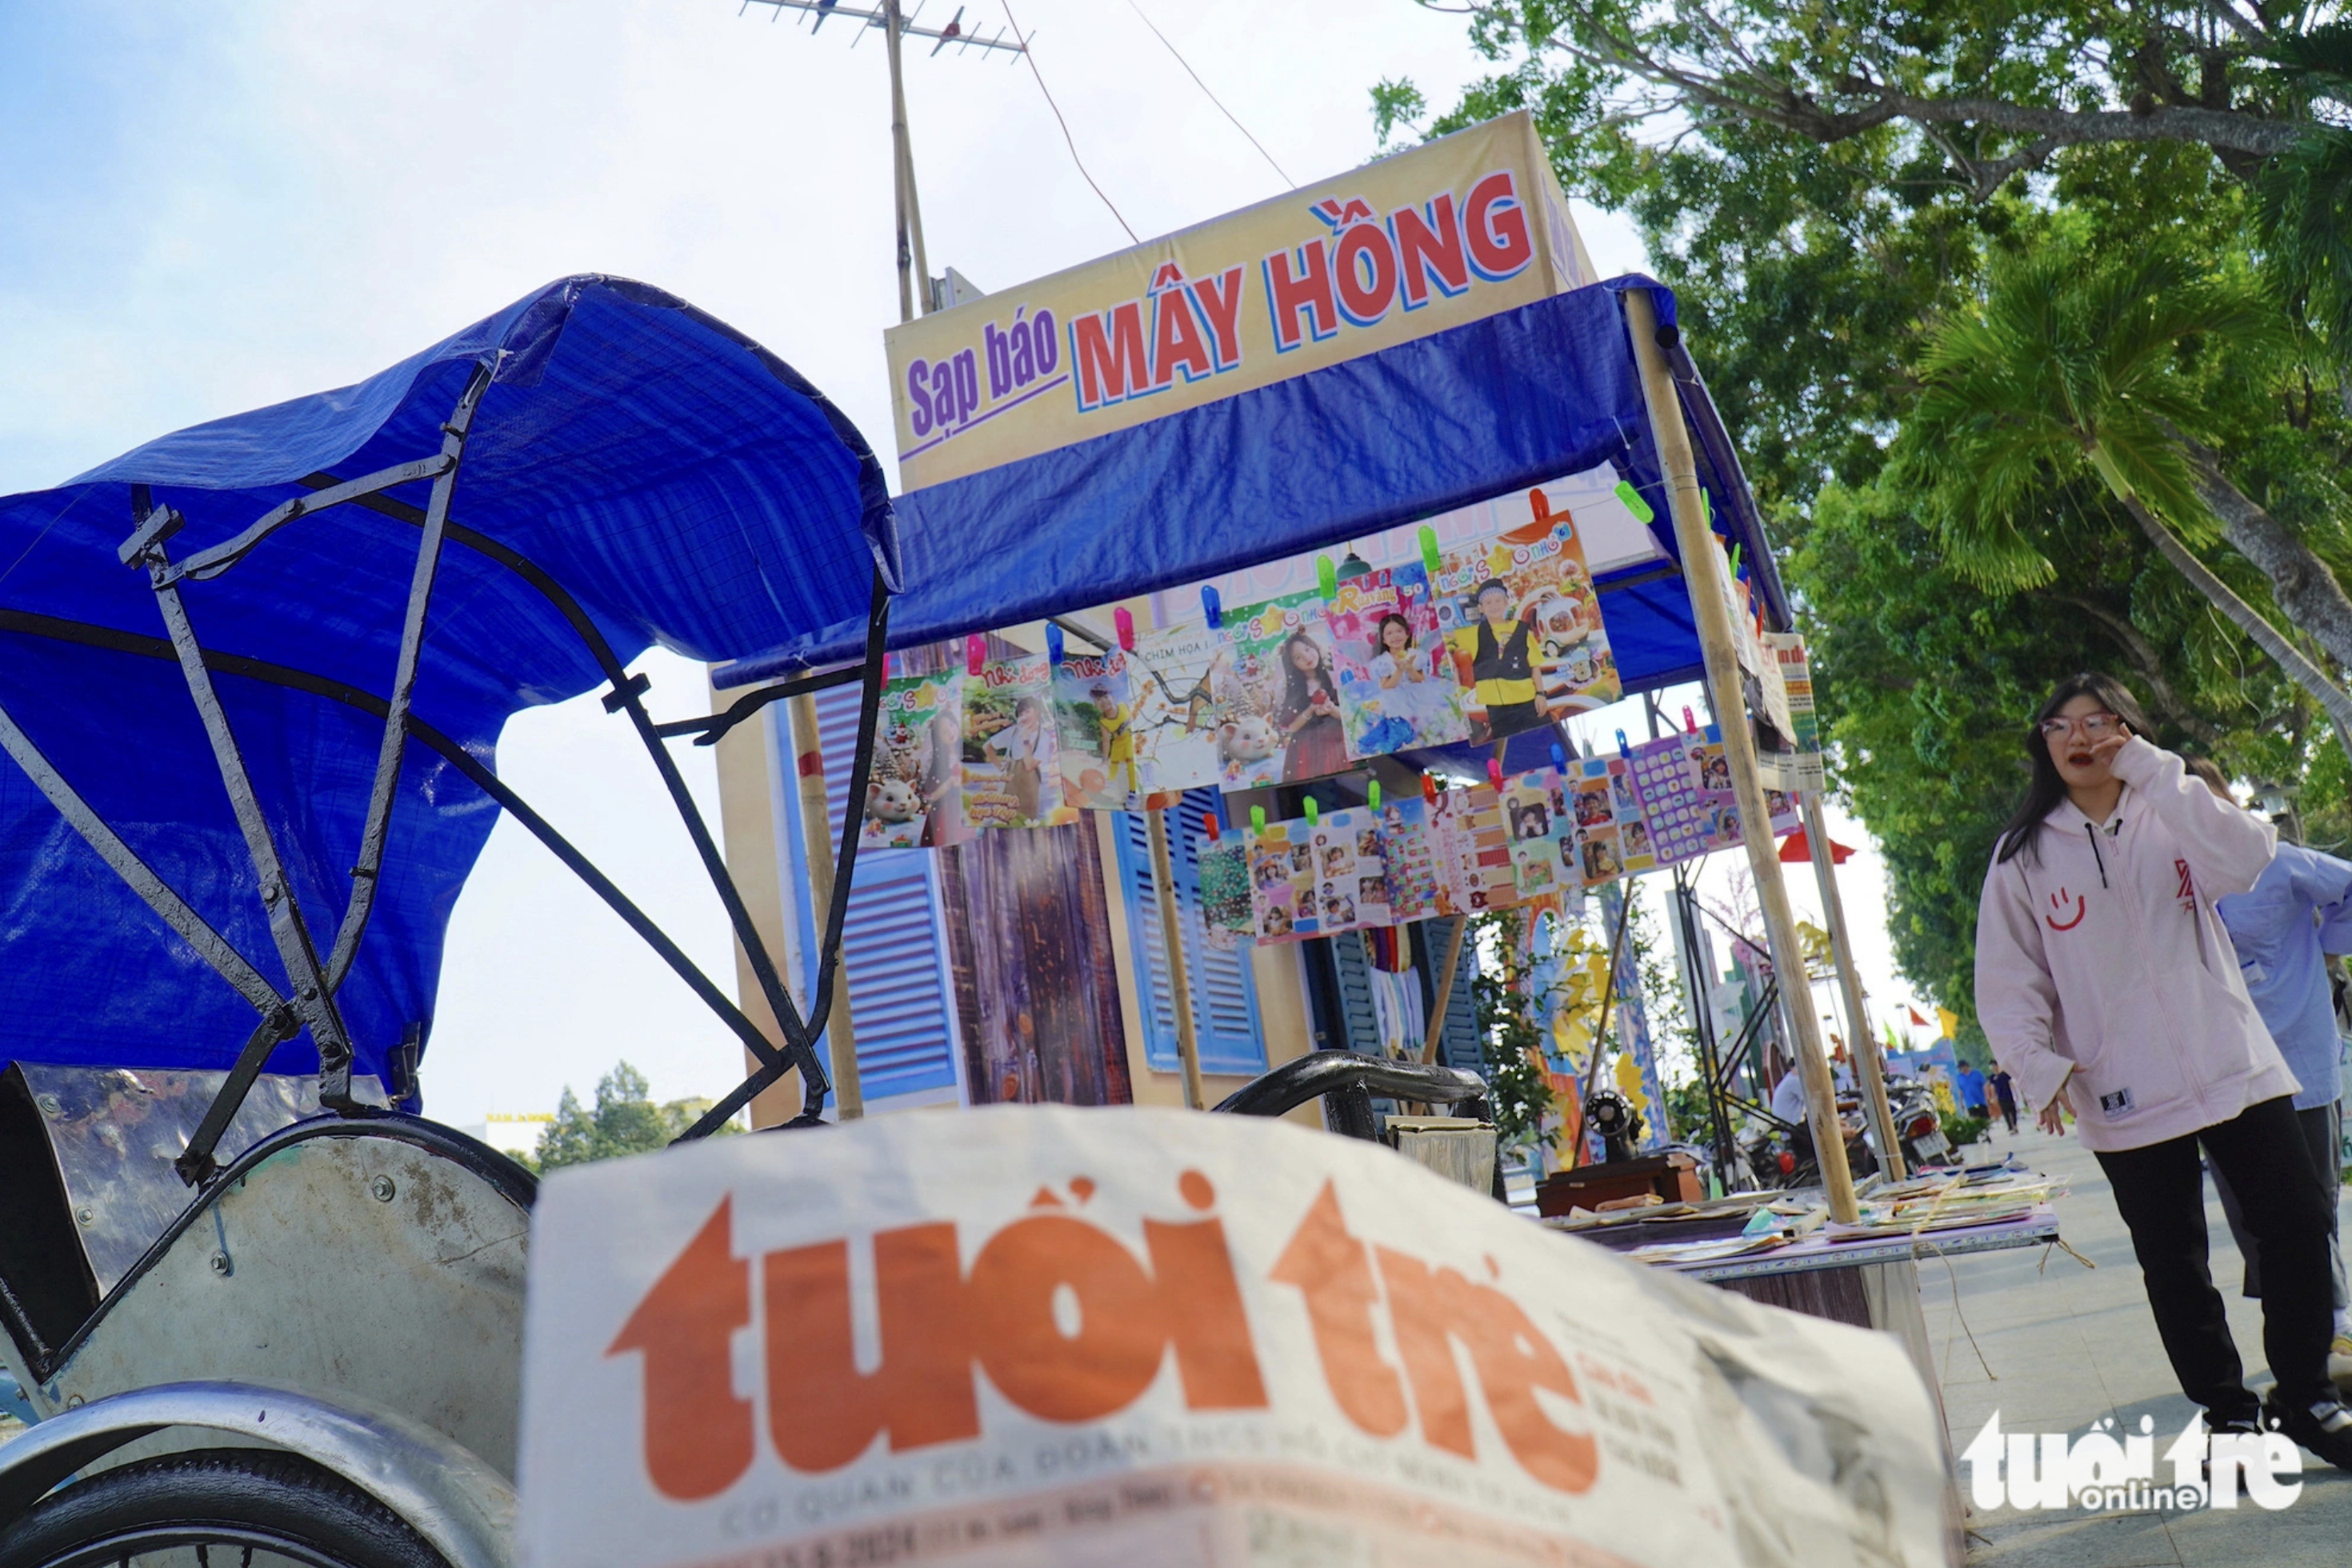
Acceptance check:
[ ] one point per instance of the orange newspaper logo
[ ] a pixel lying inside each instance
(1010, 1315)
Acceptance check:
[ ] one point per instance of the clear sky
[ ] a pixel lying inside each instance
(208, 208)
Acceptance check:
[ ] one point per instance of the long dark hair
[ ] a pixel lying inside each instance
(2047, 789)
(1296, 694)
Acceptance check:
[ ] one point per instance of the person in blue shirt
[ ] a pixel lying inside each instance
(2283, 928)
(1973, 1089)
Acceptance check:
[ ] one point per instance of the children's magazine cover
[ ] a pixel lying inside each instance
(913, 796)
(1471, 844)
(1183, 680)
(1397, 683)
(1352, 879)
(1538, 811)
(1282, 881)
(1284, 724)
(1798, 765)
(1221, 866)
(1411, 857)
(1523, 620)
(1096, 708)
(1012, 774)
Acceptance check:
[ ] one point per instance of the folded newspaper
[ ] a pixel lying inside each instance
(1041, 1335)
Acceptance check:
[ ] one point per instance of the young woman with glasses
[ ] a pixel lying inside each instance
(2104, 980)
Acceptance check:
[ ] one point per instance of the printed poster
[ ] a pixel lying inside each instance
(1798, 765)
(1097, 710)
(914, 797)
(1012, 767)
(1411, 857)
(1471, 847)
(1397, 683)
(1282, 881)
(1351, 879)
(1181, 680)
(1221, 869)
(1538, 813)
(1282, 724)
(1523, 620)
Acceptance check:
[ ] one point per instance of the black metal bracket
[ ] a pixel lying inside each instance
(709, 730)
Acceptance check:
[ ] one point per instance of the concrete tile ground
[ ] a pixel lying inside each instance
(2057, 1346)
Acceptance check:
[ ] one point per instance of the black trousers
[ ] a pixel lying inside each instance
(2160, 1190)
(2323, 1127)
(2009, 1111)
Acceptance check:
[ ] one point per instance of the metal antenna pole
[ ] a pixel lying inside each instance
(902, 162)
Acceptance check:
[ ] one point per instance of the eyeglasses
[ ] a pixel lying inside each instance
(2097, 726)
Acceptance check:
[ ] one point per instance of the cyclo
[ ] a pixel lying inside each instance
(252, 677)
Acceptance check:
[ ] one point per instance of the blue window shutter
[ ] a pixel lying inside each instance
(1225, 995)
(1357, 1017)
(899, 988)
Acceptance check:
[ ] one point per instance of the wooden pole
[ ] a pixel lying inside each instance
(902, 166)
(1867, 1060)
(1172, 938)
(1702, 576)
(1444, 990)
(816, 840)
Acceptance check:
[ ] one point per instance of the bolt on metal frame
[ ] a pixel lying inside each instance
(314, 981)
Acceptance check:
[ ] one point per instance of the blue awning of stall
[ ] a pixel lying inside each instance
(1511, 400)
(670, 481)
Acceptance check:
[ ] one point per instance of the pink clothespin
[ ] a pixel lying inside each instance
(1494, 771)
(975, 653)
(1124, 622)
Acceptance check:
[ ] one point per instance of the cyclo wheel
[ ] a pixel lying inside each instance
(214, 1508)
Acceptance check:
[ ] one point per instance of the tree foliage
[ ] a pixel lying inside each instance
(626, 1121)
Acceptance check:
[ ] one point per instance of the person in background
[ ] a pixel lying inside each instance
(2104, 980)
(2283, 928)
(2004, 1094)
(1972, 1089)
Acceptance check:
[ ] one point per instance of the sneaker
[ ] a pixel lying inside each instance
(2325, 1428)
(2339, 1359)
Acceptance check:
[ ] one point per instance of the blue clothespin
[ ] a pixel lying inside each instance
(1559, 758)
(1212, 607)
(1624, 750)
(1052, 643)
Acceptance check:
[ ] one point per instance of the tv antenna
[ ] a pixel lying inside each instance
(895, 29)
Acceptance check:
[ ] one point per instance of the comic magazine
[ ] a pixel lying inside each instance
(1523, 620)
(1095, 711)
(1471, 847)
(1012, 770)
(1540, 817)
(1612, 839)
(1282, 881)
(1684, 785)
(1182, 678)
(1222, 868)
(1283, 722)
(1798, 765)
(1397, 683)
(1352, 879)
(1411, 857)
(913, 796)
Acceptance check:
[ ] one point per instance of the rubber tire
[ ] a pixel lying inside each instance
(264, 1491)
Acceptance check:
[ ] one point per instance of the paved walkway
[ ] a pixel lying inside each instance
(2066, 1346)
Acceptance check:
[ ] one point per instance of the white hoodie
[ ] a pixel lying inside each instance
(2104, 955)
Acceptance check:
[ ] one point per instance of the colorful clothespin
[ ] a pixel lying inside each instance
(1327, 576)
(1429, 550)
(1212, 607)
(1494, 771)
(1735, 562)
(1429, 788)
(1314, 812)
(1624, 750)
(1634, 502)
(975, 653)
(1690, 724)
(1372, 796)
(1257, 820)
(1541, 505)
(1124, 622)
(1210, 822)
(1052, 643)
(1559, 758)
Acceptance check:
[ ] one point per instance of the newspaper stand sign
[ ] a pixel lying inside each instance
(1044, 1335)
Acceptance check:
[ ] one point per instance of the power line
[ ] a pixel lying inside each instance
(1211, 96)
(1031, 56)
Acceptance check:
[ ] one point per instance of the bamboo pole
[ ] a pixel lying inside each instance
(816, 839)
(1867, 1060)
(1172, 938)
(917, 287)
(1702, 576)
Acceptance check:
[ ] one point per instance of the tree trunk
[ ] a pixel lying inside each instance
(2241, 615)
(2306, 589)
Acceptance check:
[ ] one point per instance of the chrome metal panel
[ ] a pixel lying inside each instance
(115, 1132)
(352, 1265)
(448, 1495)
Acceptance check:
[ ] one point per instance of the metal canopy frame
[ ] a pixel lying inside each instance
(313, 980)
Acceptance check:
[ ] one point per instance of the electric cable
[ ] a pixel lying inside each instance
(1211, 96)
(1030, 55)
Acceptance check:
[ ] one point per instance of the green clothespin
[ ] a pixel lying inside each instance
(1633, 503)
(1735, 562)
(1327, 576)
(1314, 812)
(1257, 820)
(1375, 795)
(1429, 550)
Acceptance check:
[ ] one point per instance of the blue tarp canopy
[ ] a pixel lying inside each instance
(670, 479)
(1511, 400)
